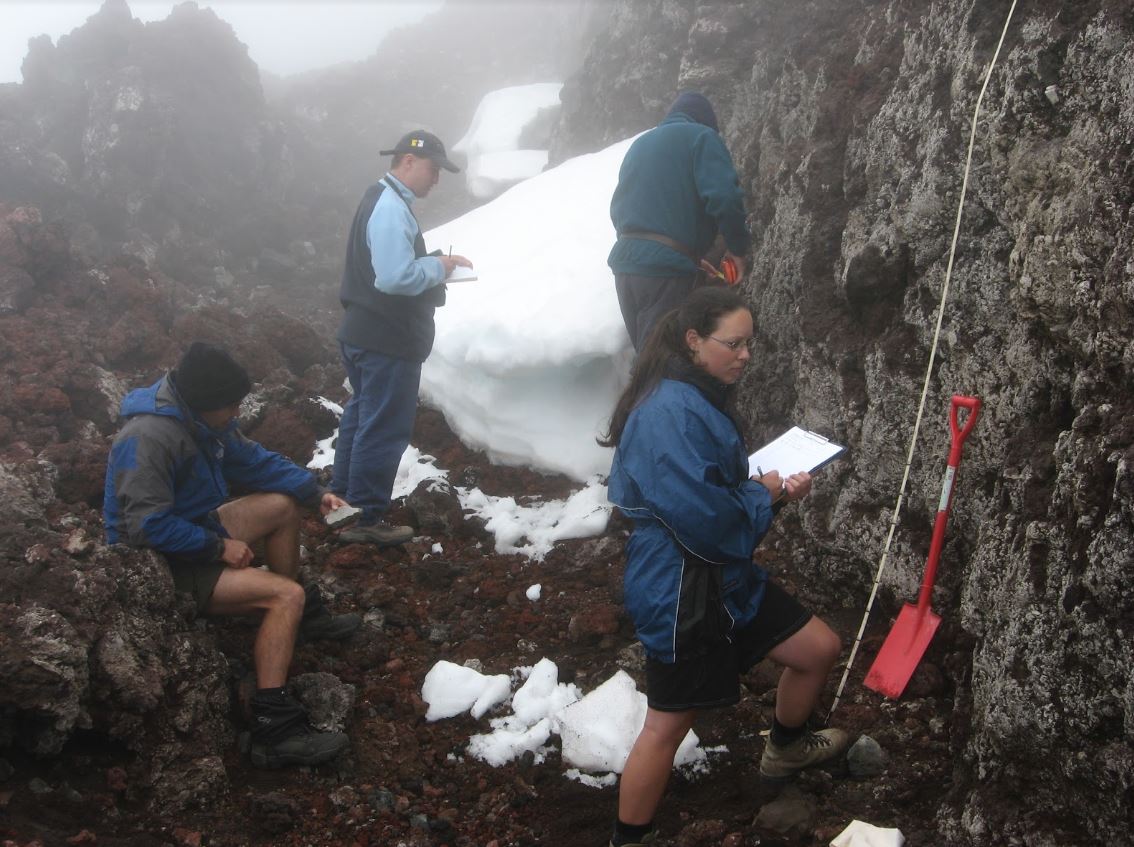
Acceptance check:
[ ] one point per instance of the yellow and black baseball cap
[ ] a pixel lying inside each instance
(422, 143)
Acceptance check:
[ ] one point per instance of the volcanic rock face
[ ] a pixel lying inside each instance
(156, 134)
(849, 125)
(93, 637)
(159, 139)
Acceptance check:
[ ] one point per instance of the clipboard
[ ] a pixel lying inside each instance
(461, 274)
(794, 451)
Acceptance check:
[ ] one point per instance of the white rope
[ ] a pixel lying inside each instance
(928, 370)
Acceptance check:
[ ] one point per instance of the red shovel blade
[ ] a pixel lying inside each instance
(901, 651)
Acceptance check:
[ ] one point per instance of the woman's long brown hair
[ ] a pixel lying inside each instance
(701, 312)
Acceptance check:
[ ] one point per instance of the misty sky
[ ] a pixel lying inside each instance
(282, 37)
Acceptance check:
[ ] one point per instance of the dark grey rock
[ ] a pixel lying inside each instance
(436, 508)
(866, 758)
(274, 812)
(791, 812)
(328, 700)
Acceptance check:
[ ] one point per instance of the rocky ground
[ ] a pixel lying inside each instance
(406, 780)
(120, 716)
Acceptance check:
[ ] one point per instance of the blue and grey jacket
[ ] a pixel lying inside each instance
(168, 472)
(680, 473)
(676, 180)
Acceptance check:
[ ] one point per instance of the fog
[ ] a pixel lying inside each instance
(282, 37)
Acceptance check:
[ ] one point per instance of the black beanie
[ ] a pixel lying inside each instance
(207, 378)
(696, 106)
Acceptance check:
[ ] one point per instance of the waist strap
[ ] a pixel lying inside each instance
(665, 240)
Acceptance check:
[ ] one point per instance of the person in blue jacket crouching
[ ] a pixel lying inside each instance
(704, 612)
(167, 488)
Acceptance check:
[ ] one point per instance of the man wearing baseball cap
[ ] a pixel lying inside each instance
(391, 286)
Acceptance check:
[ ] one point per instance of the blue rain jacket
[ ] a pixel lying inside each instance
(677, 180)
(680, 473)
(168, 472)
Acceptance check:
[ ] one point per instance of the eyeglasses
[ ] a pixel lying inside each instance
(736, 343)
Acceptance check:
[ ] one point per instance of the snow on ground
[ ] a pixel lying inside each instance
(596, 731)
(505, 120)
(527, 530)
(530, 358)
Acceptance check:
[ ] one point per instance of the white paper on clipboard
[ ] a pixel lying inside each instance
(794, 451)
(462, 274)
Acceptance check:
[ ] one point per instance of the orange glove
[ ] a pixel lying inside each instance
(730, 271)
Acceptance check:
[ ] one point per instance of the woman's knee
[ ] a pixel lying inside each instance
(816, 647)
(828, 645)
(667, 729)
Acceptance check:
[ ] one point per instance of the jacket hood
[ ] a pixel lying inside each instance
(158, 399)
(697, 107)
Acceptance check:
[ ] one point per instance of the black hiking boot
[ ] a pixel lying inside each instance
(647, 839)
(282, 735)
(318, 624)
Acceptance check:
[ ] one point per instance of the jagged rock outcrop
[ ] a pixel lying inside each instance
(848, 124)
(93, 637)
(157, 138)
(346, 114)
(155, 135)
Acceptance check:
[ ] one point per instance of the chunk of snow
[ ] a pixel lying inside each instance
(450, 689)
(861, 834)
(508, 137)
(598, 731)
(530, 359)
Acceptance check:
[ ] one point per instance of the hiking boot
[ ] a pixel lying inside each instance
(318, 624)
(328, 627)
(650, 837)
(308, 746)
(379, 533)
(812, 748)
(282, 735)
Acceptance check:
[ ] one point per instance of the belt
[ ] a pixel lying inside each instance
(665, 240)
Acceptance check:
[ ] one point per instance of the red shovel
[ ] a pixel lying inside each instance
(914, 628)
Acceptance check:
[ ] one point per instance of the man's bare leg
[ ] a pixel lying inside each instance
(271, 518)
(240, 591)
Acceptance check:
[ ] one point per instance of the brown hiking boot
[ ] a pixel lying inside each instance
(380, 534)
(811, 749)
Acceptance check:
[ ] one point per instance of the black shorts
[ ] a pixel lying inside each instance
(197, 579)
(712, 679)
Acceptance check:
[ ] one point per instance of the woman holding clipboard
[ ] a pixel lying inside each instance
(704, 612)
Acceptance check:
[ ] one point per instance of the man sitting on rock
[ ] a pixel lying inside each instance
(167, 488)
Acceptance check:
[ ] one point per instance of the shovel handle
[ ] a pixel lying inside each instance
(959, 434)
